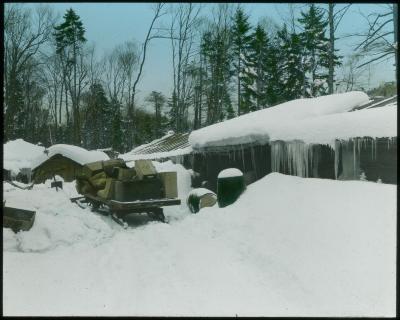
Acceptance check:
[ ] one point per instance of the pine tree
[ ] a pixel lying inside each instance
(117, 133)
(217, 55)
(157, 100)
(258, 63)
(99, 116)
(172, 113)
(275, 88)
(70, 38)
(316, 46)
(292, 69)
(241, 43)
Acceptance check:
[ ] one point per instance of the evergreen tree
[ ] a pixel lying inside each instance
(15, 115)
(316, 46)
(157, 100)
(258, 63)
(172, 113)
(241, 43)
(70, 38)
(117, 132)
(292, 70)
(98, 126)
(275, 87)
(216, 50)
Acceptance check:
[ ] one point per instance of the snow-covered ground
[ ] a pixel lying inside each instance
(289, 246)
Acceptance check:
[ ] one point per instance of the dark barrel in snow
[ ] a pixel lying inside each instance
(199, 198)
(230, 186)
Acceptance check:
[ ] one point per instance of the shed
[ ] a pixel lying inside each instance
(336, 136)
(63, 160)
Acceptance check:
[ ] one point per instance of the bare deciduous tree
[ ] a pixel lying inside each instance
(377, 43)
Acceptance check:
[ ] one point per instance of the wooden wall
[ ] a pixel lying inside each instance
(255, 162)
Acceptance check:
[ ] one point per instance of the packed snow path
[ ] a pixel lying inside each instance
(288, 247)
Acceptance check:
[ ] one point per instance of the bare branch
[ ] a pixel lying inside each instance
(375, 59)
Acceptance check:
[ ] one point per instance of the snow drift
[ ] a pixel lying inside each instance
(289, 246)
(20, 154)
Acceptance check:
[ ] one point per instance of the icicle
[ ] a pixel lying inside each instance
(337, 150)
(244, 168)
(291, 157)
(253, 159)
(354, 156)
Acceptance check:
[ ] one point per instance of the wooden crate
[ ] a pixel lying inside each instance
(18, 219)
(169, 180)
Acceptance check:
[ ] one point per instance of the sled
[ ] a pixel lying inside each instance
(118, 209)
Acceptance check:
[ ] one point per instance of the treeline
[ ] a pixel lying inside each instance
(58, 91)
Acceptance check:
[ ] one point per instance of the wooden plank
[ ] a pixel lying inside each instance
(119, 205)
(122, 205)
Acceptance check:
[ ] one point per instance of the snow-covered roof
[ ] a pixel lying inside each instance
(77, 154)
(314, 120)
(170, 145)
(19, 154)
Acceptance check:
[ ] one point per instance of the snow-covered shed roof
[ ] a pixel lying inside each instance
(314, 120)
(77, 154)
(170, 145)
(19, 154)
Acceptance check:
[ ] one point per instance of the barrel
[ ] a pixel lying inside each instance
(199, 198)
(230, 186)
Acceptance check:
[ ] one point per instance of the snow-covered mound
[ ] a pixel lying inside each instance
(289, 246)
(77, 154)
(315, 120)
(230, 172)
(19, 154)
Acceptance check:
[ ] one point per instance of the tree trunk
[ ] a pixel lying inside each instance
(238, 93)
(396, 30)
(331, 48)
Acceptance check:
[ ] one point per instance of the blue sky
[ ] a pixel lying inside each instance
(110, 24)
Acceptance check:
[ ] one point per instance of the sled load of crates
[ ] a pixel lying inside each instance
(123, 190)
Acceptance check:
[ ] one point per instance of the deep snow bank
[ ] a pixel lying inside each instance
(288, 247)
(19, 154)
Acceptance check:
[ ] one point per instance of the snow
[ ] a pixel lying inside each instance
(314, 120)
(19, 154)
(77, 154)
(199, 192)
(288, 246)
(136, 153)
(131, 156)
(231, 172)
